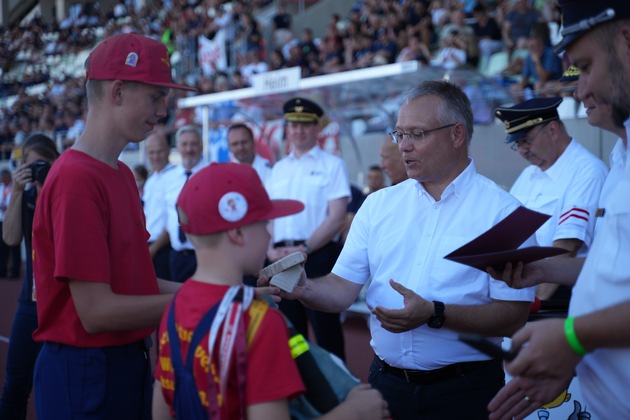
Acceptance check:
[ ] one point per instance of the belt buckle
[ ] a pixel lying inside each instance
(290, 242)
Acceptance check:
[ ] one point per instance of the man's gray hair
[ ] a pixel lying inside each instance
(454, 104)
(186, 129)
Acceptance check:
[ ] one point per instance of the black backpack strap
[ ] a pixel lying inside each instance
(186, 405)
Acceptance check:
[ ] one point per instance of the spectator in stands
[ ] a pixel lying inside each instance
(452, 52)
(254, 65)
(463, 35)
(6, 141)
(468, 6)
(384, 47)
(332, 54)
(251, 35)
(276, 61)
(420, 21)
(307, 46)
(439, 14)
(281, 24)
(487, 33)
(519, 22)
(415, 50)
(76, 124)
(23, 129)
(540, 66)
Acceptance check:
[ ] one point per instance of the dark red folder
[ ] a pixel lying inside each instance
(498, 246)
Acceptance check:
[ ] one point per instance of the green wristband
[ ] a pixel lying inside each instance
(569, 333)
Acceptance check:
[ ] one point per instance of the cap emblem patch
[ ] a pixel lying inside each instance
(233, 206)
(132, 59)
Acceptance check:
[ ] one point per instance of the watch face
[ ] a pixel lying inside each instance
(435, 321)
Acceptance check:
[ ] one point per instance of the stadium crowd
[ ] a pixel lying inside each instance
(41, 85)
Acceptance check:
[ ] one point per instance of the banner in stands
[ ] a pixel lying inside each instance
(211, 54)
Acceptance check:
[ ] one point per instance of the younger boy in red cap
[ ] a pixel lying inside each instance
(224, 210)
(98, 299)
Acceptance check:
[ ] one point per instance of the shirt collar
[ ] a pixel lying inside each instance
(166, 168)
(554, 172)
(458, 186)
(314, 153)
(194, 169)
(618, 153)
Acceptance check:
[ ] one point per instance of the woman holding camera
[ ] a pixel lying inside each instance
(39, 152)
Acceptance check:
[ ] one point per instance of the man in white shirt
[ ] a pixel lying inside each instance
(594, 341)
(182, 260)
(320, 180)
(157, 150)
(243, 150)
(563, 180)
(420, 301)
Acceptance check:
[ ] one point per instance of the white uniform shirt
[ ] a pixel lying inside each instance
(314, 179)
(260, 164)
(402, 233)
(153, 199)
(603, 282)
(173, 183)
(568, 191)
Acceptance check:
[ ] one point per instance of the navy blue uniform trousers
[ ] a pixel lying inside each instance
(73, 383)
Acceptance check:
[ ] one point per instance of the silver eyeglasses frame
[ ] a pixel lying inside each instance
(414, 137)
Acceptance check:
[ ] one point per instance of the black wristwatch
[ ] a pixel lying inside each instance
(437, 319)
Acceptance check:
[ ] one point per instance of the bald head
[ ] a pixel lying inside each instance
(391, 161)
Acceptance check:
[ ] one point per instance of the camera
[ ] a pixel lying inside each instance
(39, 169)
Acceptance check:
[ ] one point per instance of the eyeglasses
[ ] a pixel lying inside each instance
(414, 136)
(528, 141)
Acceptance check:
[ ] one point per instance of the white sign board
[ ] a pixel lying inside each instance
(277, 81)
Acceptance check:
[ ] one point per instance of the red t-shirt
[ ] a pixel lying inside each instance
(271, 371)
(89, 226)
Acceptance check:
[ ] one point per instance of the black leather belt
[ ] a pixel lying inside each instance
(289, 242)
(426, 377)
(187, 252)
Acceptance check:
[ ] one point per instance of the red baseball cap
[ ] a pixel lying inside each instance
(132, 57)
(225, 196)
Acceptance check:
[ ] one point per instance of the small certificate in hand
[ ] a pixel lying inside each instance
(499, 245)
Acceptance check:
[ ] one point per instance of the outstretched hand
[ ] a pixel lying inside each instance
(416, 311)
(519, 276)
(544, 352)
(522, 396)
(278, 294)
(366, 403)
